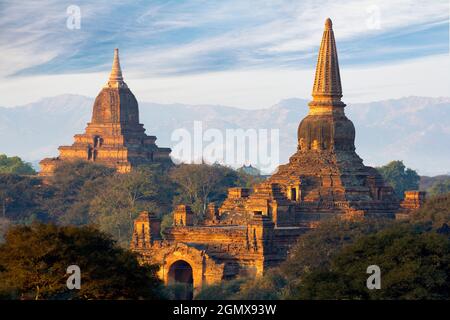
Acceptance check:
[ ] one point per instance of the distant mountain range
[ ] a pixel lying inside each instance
(413, 129)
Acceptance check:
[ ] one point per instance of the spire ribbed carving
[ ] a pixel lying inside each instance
(327, 89)
(326, 127)
(116, 78)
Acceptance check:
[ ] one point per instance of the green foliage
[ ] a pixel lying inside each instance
(414, 264)
(315, 248)
(166, 222)
(82, 193)
(427, 183)
(115, 206)
(221, 291)
(15, 165)
(262, 288)
(70, 176)
(440, 187)
(73, 186)
(318, 266)
(88, 193)
(248, 180)
(436, 211)
(399, 177)
(268, 287)
(34, 260)
(330, 261)
(199, 184)
(22, 198)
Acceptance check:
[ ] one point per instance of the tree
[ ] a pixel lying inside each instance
(122, 196)
(22, 198)
(436, 211)
(313, 250)
(88, 193)
(268, 287)
(200, 184)
(166, 222)
(440, 187)
(15, 165)
(34, 261)
(414, 264)
(70, 177)
(74, 184)
(196, 183)
(224, 290)
(316, 248)
(399, 177)
(248, 180)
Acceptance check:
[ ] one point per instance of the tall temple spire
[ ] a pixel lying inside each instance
(115, 78)
(327, 89)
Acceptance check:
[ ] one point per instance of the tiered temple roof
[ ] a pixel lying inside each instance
(114, 137)
(254, 228)
(325, 176)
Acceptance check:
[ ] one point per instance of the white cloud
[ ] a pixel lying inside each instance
(251, 88)
(29, 38)
(33, 33)
(292, 26)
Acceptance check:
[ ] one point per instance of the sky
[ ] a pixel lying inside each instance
(249, 54)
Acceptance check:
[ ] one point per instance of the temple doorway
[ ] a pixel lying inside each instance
(293, 194)
(180, 279)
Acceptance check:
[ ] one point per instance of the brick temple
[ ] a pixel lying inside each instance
(114, 137)
(253, 229)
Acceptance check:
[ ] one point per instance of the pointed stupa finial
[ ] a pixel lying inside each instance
(116, 78)
(327, 89)
(328, 24)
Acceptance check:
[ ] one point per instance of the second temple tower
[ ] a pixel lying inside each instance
(114, 137)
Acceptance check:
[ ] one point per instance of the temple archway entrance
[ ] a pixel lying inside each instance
(180, 278)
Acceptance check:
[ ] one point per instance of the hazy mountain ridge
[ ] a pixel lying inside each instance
(413, 129)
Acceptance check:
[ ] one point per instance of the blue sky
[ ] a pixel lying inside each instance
(244, 53)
